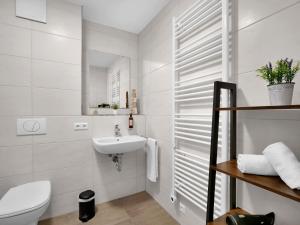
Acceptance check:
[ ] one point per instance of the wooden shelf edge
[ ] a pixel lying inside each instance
(259, 108)
(222, 220)
(269, 183)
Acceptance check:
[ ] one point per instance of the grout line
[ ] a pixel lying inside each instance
(37, 30)
(266, 17)
(39, 59)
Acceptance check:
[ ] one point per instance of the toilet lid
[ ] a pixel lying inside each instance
(25, 198)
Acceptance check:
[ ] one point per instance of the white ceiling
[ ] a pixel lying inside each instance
(129, 15)
(101, 59)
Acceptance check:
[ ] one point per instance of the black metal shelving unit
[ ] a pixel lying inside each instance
(272, 184)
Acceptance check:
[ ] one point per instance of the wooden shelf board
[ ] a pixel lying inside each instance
(259, 108)
(273, 184)
(222, 220)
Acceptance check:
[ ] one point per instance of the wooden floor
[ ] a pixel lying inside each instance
(138, 209)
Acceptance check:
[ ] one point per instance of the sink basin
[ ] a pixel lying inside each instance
(114, 145)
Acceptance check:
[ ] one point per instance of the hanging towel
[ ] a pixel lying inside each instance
(152, 160)
(255, 164)
(285, 163)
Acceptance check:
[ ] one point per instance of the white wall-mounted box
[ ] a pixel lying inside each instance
(31, 126)
(35, 10)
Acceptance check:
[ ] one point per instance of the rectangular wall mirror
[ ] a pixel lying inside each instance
(107, 83)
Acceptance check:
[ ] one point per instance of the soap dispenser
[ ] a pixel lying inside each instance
(130, 121)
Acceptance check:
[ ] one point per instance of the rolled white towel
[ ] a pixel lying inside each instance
(285, 163)
(255, 164)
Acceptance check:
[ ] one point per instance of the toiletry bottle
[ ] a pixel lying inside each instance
(130, 121)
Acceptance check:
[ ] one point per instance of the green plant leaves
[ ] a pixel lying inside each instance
(283, 72)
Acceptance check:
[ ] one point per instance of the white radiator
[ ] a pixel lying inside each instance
(200, 56)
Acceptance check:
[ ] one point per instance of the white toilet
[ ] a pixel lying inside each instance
(25, 204)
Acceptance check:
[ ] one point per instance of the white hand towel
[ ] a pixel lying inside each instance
(152, 160)
(285, 163)
(255, 164)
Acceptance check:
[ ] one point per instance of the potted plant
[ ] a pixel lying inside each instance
(115, 107)
(280, 78)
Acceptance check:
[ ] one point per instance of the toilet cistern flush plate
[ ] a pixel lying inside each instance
(31, 126)
(116, 145)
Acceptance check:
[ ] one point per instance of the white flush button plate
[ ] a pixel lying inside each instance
(81, 126)
(31, 126)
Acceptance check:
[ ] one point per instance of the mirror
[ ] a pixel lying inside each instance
(107, 83)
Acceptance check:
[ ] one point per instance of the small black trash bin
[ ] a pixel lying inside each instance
(86, 205)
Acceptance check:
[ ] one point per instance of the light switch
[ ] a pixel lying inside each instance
(31, 126)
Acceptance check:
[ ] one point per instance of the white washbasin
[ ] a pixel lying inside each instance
(114, 145)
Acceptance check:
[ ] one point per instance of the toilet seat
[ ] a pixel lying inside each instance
(25, 198)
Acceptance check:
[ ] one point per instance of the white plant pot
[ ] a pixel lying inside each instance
(281, 94)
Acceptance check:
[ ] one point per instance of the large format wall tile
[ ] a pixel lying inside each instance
(11, 181)
(14, 41)
(62, 204)
(106, 173)
(63, 19)
(8, 135)
(15, 160)
(66, 180)
(250, 12)
(257, 45)
(56, 48)
(47, 74)
(61, 128)
(8, 14)
(15, 71)
(15, 101)
(56, 102)
(52, 156)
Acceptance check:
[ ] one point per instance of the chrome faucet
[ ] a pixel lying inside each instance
(117, 131)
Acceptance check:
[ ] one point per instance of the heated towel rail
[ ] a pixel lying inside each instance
(201, 49)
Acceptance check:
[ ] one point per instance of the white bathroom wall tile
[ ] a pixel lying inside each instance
(250, 195)
(139, 125)
(11, 181)
(66, 180)
(8, 14)
(106, 173)
(256, 43)
(55, 48)
(160, 56)
(15, 41)
(165, 163)
(141, 163)
(61, 129)
(158, 80)
(56, 102)
(63, 18)
(62, 204)
(52, 156)
(118, 189)
(247, 82)
(164, 125)
(158, 103)
(15, 101)
(48, 74)
(15, 160)
(250, 134)
(141, 183)
(8, 133)
(15, 71)
(104, 126)
(250, 12)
